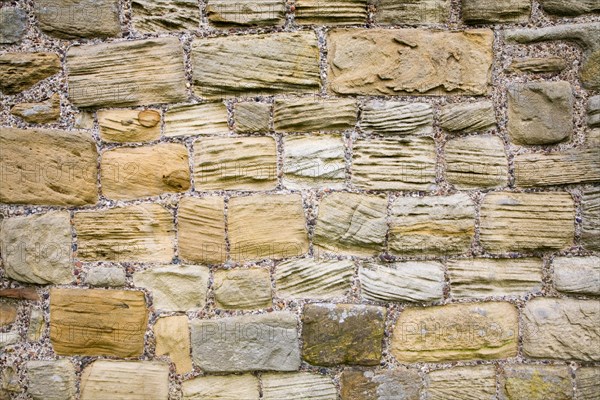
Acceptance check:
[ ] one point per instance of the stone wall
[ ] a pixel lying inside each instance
(258, 199)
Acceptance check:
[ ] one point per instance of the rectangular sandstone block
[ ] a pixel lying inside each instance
(96, 322)
(47, 166)
(400, 382)
(462, 383)
(132, 73)
(227, 66)
(251, 116)
(535, 382)
(495, 11)
(309, 114)
(173, 339)
(297, 385)
(579, 275)
(150, 16)
(478, 331)
(123, 126)
(587, 380)
(409, 62)
(337, 12)
(225, 13)
(229, 387)
(590, 213)
(242, 288)
(397, 118)
(418, 12)
(196, 119)
(468, 117)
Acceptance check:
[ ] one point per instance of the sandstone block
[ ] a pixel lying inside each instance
(538, 65)
(590, 211)
(14, 25)
(8, 314)
(196, 119)
(36, 325)
(165, 15)
(249, 117)
(577, 275)
(339, 12)
(125, 126)
(310, 114)
(397, 117)
(223, 13)
(468, 117)
(245, 289)
(51, 380)
(587, 381)
(535, 382)
(461, 383)
(227, 387)
(476, 12)
(570, 7)
(401, 383)
(593, 111)
(173, 339)
(20, 71)
(43, 112)
(417, 12)
(297, 386)
(106, 277)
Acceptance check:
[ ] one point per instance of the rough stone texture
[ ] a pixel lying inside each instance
(351, 224)
(106, 277)
(564, 329)
(267, 342)
(461, 383)
(476, 331)
(468, 117)
(245, 289)
(235, 163)
(338, 12)
(228, 387)
(196, 119)
(577, 275)
(593, 111)
(36, 325)
(150, 16)
(535, 382)
(527, 222)
(8, 314)
(342, 334)
(125, 380)
(267, 227)
(394, 164)
(125, 126)
(142, 233)
(476, 12)
(26, 293)
(38, 113)
(72, 19)
(128, 173)
(37, 248)
(434, 225)
(51, 380)
(399, 384)
(9, 338)
(420, 12)
(20, 71)
(590, 211)
(570, 7)
(476, 162)
(173, 340)
(483, 277)
(409, 61)
(245, 12)
(537, 65)
(397, 117)
(406, 281)
(132, 73)
(297, 386)
(97, 322)
(249, 116)
(201, 233)
(308, 114)
(226, 66)
(175, 287)
(14, 25)
(313, 162)
(587, 380)
(315, 279)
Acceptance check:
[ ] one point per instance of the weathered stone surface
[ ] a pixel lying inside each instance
(51, 380)
(313, 162)
(245, 12)
(20, 71)
(235, 163)
(585, 35)
(250, 116)
(131, 73)
(565, 329)
(125, 126)
(173, 339)
(125, 380)
(570, 7)
(495, 11)
(593, 111)
(351, 224)
(483, 277)
(468, 117)
(175, 287)
(48, 166)
(577, 274)
(315, 279)
(9, 338)
(407, 61)
(95, 322)
(267, 342)
(397, 117)
(540, 113)
(201, 233)
(42, 112)
(338, 12)
(14, 25)
(165, 15)
(535, 382)
(36, 325)
(436, 225)
(37, 248)
(394, 163)
(462, 383)
(25, 293)
(590, 212)
(228, 387)
(266, 226)
(194, 119)
(297, 386)
(397, 384)
(226, 66)
(419, 12)
(308, 114)
(8, 314)
(142, 233)
(476, 162)
(476, 331)
(72, 19)
(538, 65)
(405, 281)
(527, 222)
(246, 289)
(342, 334)
(587, 380)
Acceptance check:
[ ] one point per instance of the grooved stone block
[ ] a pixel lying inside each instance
(245, 12)
(479, 331)
(336, 12)
(97, 322)
(123, 126)
(315, 279)
(476, 12)
(397, 117)
(227, 387)
(417, 12)
(132, 73)
(400, 383)
(409, 62)
(461, 383)
(48, 166)
(527, 222)
(250, 116)
(51, 380)
(297, 386)
(173, 339)
(196, 119)
(309, 114)
(577, 275)
(587, 381)
(468, 117)
(20, 71)
(535, 382)
(537, 65)
(150, 16)
(245, 289)
(590, 212)
(570, 7)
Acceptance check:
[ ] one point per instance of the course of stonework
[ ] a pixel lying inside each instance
(299, 199)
